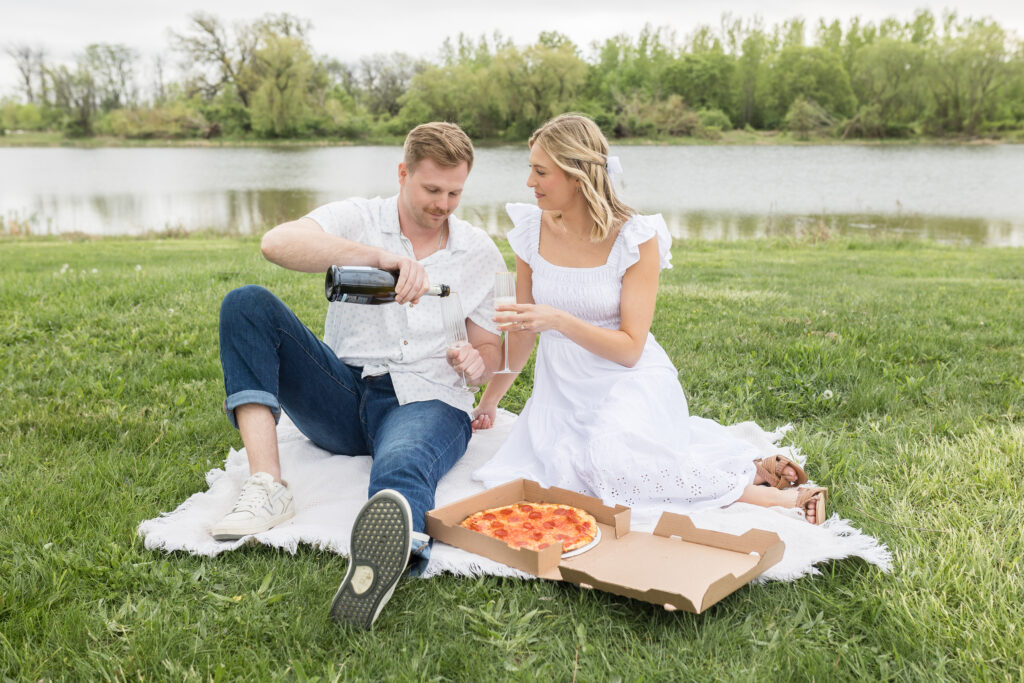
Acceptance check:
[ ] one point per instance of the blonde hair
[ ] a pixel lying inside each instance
(579, 148)
(443, 143)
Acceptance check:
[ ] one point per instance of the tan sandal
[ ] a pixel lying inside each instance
(773, 469)
(819, 495)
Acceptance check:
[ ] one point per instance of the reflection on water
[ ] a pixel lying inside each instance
(722, 226)
(960, 195)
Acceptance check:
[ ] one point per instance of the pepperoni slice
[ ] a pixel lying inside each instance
(526, 508)
(527, 525)
(489, 515)
(537, 535)
(496, 524)
(506, 512)
(549, 525)
(535, 514)
(560, 511)
(500, 533)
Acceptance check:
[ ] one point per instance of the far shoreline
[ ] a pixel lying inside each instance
(733, 138)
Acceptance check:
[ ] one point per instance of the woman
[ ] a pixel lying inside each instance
(607, 416)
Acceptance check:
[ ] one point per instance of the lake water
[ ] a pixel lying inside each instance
(959, 194)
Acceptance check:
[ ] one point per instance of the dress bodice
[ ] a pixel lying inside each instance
(590, 294)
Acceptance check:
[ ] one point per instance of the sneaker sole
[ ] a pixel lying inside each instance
(237, 533)
(379, 553)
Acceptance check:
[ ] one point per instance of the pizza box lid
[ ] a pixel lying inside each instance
(678, 566)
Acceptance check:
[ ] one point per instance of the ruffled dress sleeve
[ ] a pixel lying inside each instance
(524, 237)
(638, 230)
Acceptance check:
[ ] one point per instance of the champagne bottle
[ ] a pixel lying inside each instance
(365, 285)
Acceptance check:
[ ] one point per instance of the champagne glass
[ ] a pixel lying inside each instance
(504, 294)
(454, 326)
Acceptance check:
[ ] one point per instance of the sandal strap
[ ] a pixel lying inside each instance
(769, 476)
(777, 464)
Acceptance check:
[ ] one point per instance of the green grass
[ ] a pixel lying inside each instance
(111, 391)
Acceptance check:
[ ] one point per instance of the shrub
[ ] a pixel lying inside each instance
(714, 118)
(176, 120)
(807, 116)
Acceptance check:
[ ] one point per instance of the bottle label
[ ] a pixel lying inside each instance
(356, 298)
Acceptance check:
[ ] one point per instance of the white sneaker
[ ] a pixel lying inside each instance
(378, 555)
(262, 504)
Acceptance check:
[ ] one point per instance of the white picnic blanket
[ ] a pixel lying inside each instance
(330, 489)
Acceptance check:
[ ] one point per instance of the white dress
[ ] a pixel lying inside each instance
(597, 427)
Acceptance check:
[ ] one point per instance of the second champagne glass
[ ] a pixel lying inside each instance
(504, 294)
(454, 326)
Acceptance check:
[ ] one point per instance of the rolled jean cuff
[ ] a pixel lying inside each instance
(251, 396)
(419, 558)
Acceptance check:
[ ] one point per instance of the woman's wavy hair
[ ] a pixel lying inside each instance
(579, 148)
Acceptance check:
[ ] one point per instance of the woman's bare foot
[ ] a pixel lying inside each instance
(766, 496)
(810, 506)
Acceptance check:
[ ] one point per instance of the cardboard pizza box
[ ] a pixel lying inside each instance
(678, 566)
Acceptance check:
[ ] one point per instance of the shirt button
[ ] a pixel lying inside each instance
(405, 341)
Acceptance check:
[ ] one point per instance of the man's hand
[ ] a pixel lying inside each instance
(466, 359)
(412, 276)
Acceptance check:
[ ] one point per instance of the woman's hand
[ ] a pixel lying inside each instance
(484, 416)
(528, 318)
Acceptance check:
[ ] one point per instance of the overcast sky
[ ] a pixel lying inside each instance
(348, 31)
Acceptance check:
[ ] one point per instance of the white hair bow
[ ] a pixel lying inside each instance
(613, 166)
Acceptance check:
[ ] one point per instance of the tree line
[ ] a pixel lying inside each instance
(261, 79)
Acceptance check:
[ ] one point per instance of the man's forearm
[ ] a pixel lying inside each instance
(301, 245)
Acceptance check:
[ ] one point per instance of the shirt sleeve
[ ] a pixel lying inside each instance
(343, 218)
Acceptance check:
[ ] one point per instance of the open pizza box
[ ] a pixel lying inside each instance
(678, 566)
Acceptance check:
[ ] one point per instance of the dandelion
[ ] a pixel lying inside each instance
(827, 394)
(64, 268)
(138, 267)
(94, 271)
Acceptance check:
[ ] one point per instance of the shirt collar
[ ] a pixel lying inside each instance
(458, 233)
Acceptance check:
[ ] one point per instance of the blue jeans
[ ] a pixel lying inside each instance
(269, 357)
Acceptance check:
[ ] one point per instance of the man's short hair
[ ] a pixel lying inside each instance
(445, 144)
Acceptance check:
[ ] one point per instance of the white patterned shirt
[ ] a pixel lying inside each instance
(408, 341)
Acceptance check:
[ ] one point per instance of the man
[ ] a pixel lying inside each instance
(381, 382)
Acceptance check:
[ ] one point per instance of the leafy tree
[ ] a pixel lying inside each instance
(216, 58)
(537, 83)
(966, 69)
(703, 80)
(29, 62)
(749, 70)
(384, 78)
(75, 96)
(887, 79)
(283, 104)
(808, 72)
(112, 68)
